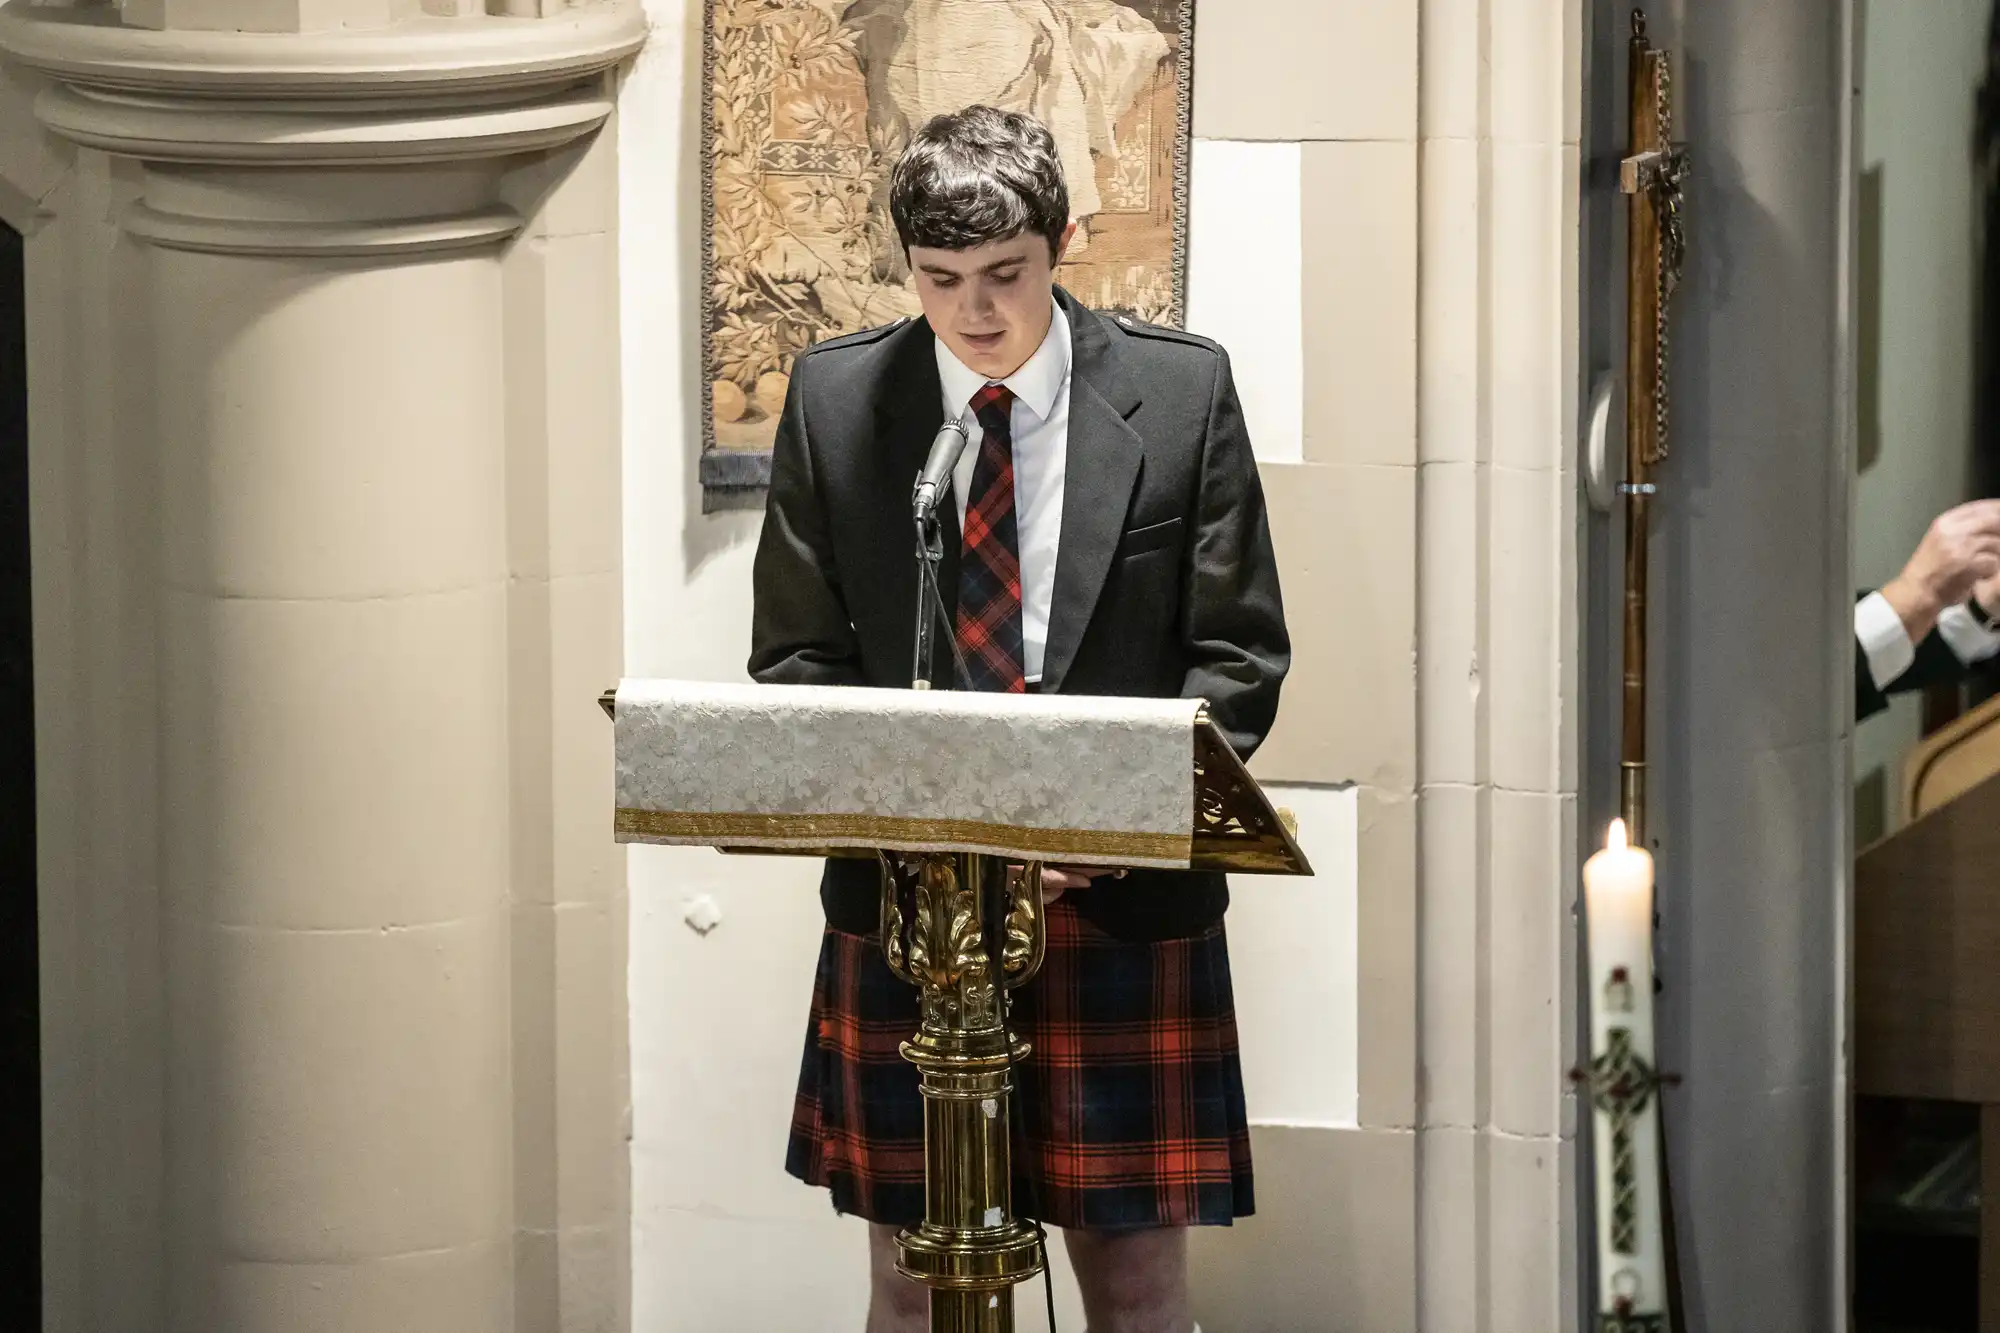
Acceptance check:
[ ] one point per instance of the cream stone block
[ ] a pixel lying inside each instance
(589, 1003)
(1527, 56)
(1569, 635)
(1245, 200)
(1345, 536)
(343, 1096)
(1359, 210)
(96, 736)
(596, 1277)
(335, 764)
(1569, 170)
(459, 1290)
(1449, 1228)
(1305, 69)
(1451, 59)
(1530, 396)
(563, 414)
(1570, 1242)
(1450, 298)
(537, 1280)
(585, 647)
(1524, 1007)
(1523, 1227)
(1575, 35)
(1569, 892)
(1333, 1238)
(537, 1062)
(585, 423)
(1452, 621)
(531, 704)
(329, 431)
(265, 16)
(1297, 982)
(1388, 959)
(568, 191)
(32, 166)
(1451, 942)
(1525, 715)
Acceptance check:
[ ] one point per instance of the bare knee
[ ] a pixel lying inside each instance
(895, 1303)
(1132, 1281)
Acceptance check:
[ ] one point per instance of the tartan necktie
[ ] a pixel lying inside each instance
(989, 567)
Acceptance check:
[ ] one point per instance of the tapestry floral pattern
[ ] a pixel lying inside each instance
(809, 103)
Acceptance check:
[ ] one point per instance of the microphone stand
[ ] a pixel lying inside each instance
(931, 608)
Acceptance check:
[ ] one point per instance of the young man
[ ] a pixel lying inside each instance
(1107, 536)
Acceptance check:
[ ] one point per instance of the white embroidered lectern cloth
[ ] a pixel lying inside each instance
(806, 766)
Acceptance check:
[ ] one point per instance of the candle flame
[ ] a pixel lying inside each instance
(1614, 840)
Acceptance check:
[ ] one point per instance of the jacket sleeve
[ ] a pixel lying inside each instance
(1868, 700)
(1233, 615)
(800, 633)
(1933, 664)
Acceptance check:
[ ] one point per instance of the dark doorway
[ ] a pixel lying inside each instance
(20, 984)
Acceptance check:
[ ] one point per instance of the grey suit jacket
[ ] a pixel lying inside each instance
(1165, 581)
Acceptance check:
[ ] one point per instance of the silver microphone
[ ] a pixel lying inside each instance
(945, 449)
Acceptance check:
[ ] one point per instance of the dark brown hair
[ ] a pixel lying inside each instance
(979, 175)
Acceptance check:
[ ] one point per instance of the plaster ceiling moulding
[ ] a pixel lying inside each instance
(421, 59)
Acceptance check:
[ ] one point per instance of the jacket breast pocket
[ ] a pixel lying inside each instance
(1154, 537)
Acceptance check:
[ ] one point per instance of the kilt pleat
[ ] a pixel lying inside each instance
(1129, 1110)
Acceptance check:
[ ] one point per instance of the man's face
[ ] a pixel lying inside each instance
(990, 303)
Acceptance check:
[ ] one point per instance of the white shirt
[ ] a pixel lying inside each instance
(1879, 631)
(1040, 423)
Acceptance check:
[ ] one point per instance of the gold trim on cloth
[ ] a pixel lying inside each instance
(897, 833)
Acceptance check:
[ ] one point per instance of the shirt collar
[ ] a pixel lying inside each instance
(1035, 385)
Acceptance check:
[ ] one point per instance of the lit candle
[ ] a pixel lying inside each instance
(1618, 906)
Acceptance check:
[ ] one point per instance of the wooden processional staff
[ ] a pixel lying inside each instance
(1638, 1285)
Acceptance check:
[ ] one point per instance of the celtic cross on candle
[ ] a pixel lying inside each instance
(1621, 1086)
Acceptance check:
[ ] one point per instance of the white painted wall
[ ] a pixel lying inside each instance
(1921, 65)
(722, 1238)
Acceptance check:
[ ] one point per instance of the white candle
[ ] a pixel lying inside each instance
(1618, 905)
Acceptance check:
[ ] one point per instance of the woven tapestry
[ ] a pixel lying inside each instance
(807, 105)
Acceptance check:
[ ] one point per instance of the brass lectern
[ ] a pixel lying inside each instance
(961, 797)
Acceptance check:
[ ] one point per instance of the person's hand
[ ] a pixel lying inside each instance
(1058, 880)
(1961, 550)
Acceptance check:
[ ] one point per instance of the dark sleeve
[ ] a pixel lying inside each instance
(800, 633)
(1234, 617)
(1868, 700)
(1934, 664)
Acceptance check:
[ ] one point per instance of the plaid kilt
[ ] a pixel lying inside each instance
(1128, 1112)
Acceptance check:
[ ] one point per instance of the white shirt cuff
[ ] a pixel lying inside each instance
(1969, 641)
(1884, 641)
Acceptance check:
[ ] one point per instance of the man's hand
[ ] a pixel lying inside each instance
(1058, 880)
(1961, 550)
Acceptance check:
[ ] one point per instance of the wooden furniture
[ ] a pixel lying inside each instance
(1927, 960)
(1952, 760)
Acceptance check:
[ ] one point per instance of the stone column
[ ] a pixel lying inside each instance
(325, 215)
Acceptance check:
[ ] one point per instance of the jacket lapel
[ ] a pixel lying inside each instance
(908, 418)
(1104, 459)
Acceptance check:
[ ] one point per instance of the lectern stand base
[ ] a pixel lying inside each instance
(962, 930)
(972, 1312)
